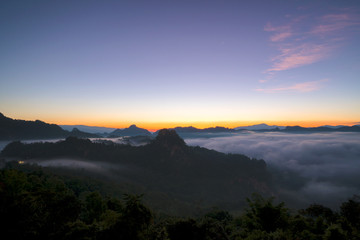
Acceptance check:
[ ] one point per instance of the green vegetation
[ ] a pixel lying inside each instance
(180, 185)
(166, 170)
(38, 205)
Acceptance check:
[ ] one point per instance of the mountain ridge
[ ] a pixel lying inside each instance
(262, 126)
(14, 129)
(166, 165)
(88, 129)
(132, 130)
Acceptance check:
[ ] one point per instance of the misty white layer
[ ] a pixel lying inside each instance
(329, 163)
(294, 151)
(63, 162)
(93, 166)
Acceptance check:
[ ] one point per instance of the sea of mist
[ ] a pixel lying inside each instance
(317, 167)
(307, 168)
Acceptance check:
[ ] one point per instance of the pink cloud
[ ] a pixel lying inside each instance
(280, 36)
(282, 32)
(298, 56)
(302, 43)
(298, 87)
(334, 23)
(270, 28)
(336, 17)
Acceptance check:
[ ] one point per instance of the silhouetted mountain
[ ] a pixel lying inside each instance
(334, 127)
(89, 129)
(259, 127)
(168, 139)
(264, 127)
(11, 129)
(321, 129)
(133, 130)
(166, 165)
(187, 129)
(80, 134)
(218, 129)
(354, 128)
(193, 132)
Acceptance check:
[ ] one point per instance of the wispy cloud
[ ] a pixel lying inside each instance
(296, 56)
(303, 42)
(334, 23)
(298, 87)
(281, 32)
(280, 36)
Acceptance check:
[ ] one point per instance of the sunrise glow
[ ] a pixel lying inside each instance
(230, 64)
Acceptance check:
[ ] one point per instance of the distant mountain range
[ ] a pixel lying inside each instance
(133, 130)
(354, 128)
(192, 131)
(181, 130)
(11, 129)
(89, 129)
(261, 126)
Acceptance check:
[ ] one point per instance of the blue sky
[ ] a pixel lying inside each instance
(165, 63)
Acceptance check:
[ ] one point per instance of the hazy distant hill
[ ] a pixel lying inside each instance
(88, 129)
(190, 132)
(11, 129)
(299, 129)
(334, 127)
(262, 126)
(166, 165)
(205, 130)
(326, 128)
(133, 130)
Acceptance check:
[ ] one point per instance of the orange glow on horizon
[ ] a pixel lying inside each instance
(154, 126)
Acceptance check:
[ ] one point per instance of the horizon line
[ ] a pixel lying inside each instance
(154, 126)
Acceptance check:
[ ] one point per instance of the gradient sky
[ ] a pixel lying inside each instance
(166, 63)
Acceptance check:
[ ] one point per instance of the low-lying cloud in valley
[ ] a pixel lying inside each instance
(318, 167)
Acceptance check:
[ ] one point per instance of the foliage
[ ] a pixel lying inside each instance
(37, 205)
(263, 215)
(193, 176)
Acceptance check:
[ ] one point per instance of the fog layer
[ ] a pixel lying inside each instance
(310, 167)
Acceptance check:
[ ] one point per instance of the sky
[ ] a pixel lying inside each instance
(179, 63)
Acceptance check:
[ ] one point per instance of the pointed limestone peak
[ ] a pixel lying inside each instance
(75, 130)
(169, 138)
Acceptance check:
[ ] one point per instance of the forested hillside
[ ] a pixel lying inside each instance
(39, 205)
(12, 129)
(167, 166)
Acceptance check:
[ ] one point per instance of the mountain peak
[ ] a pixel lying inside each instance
(169, 138)
(133, 130)
(75, 130)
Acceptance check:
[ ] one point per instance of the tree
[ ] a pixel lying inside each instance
(263, 214)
